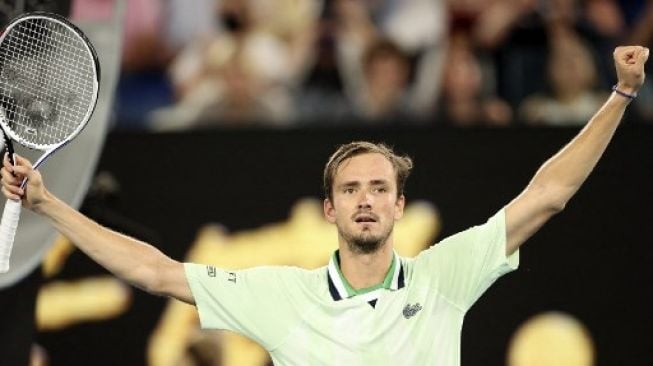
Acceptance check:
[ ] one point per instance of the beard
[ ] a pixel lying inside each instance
(365, 242)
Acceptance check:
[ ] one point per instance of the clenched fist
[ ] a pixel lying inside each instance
(629, 62)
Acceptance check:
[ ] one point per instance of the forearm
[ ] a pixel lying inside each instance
(129, 259)
(562, 175)
(565, 172)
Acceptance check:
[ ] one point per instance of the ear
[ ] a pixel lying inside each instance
(399, 207)
(329, 211)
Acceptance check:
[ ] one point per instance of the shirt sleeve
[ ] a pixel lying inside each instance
(463, 266)
(256, 303)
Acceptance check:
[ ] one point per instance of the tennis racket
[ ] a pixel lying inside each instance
(49, 81)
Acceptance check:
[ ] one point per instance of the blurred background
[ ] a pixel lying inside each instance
(219, 116)
(298, 63)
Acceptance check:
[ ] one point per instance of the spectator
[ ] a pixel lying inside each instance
(572, 76)
(418, 29)
(244, 73)
(466, 98)
(518, 32)
(145, 53)
(322, 97)
(385, 72)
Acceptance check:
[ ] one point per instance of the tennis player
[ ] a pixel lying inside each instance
(368, 306)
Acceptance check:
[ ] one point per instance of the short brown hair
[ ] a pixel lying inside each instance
(402, 164)
(381, 49)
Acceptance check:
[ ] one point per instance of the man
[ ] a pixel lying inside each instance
(368, 306)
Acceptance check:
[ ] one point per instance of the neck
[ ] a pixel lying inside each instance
(365, 270)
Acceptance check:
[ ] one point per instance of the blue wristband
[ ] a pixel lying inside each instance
(625, 95)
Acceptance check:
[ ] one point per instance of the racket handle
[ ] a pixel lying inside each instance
(8, 227)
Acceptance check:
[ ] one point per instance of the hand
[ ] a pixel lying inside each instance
(629, 62)
(34, 192)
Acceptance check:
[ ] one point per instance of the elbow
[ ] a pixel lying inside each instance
(556, 200)
(553, 200)
(148, 279)
(142, 280)
(556, 207)
(163, 278)
(153, 287)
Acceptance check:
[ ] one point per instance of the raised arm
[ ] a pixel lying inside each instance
(131, 260)
(560, 177)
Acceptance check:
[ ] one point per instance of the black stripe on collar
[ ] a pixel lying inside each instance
(332, 289)
(336, 296)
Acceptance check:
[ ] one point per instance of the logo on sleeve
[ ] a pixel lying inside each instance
(211, 271)
(232, 277)
(411, 310)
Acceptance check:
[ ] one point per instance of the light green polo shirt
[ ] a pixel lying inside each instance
(309, 317)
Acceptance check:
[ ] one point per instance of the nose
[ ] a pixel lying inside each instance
(365, 200)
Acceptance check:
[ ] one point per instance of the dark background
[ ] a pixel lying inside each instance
(591, 261)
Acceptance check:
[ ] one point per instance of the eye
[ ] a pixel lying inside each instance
(348, 190)
(381, 189)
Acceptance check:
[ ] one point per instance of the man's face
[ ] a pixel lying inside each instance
(365, 204)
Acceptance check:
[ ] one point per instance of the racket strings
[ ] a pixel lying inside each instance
(56, 73)
(46, 88)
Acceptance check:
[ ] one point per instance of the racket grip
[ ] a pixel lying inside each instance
(8, 227)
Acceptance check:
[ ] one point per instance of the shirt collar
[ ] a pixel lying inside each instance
(340, 288)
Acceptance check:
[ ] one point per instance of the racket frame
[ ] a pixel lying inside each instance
(51, 148)
(11, 213)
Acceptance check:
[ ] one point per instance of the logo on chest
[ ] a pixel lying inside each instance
(410, 310)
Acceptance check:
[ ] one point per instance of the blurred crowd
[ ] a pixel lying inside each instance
(206, 63)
